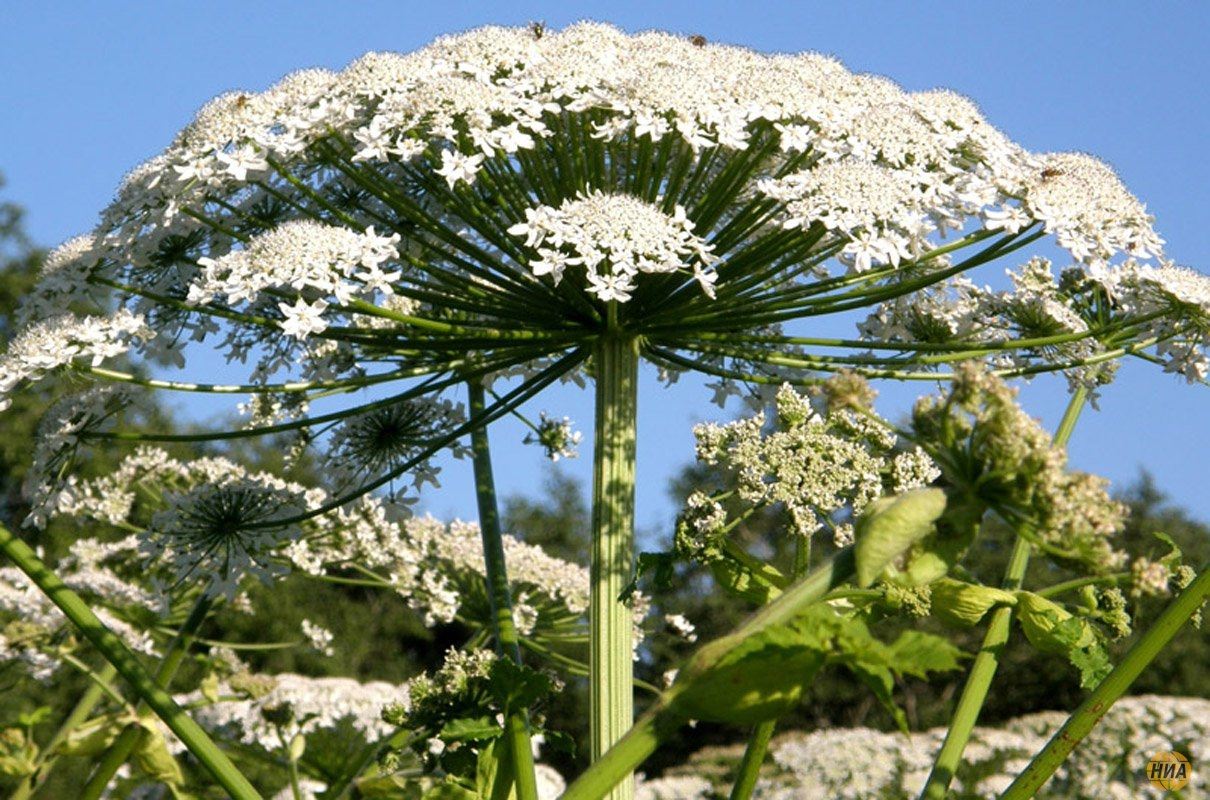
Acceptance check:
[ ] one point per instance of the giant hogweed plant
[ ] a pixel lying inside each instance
(405, 251)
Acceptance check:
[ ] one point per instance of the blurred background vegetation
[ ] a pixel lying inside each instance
(378, 637)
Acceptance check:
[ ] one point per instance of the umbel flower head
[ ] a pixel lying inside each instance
(515, 191)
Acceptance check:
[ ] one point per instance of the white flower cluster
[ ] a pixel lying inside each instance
(1093, 217)
(864, 764)
(61, 340)
(322, 264)
(223, 531)
(615, 238)
(672, 787)
(430, 562)
(318, 637)
(278, 218)
(288, 705)
(216, 524)
(1170, 306)
(381, 441)
(814, 464)
(59, 434)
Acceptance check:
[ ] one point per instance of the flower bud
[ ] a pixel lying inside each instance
(890, 526)
(1040, 619)
(964, 604)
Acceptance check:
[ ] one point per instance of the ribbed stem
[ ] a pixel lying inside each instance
(611, 679)
(1115, 684)
(661, 724)
(498, 593)
(196, 740)
(979, 680)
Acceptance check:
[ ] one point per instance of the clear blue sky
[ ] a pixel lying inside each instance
(88, 90)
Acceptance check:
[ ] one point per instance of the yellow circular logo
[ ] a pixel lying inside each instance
(1169, 770)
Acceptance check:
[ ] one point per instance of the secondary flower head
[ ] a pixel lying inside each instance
(614, 238)
(218, 533)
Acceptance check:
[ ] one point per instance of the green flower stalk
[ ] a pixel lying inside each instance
(611, 644)
(505, 202)
(499, 595)
(983, 670)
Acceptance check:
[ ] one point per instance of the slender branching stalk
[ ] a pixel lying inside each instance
(979, 680)
(1109, 690)
(499, 595)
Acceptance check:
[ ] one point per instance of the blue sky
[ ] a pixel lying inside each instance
(91, 89)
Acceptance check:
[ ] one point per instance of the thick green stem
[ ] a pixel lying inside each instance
(611, 679)
(979, 680)
(78, 714)
(516, 727)
(1115, 684)
(129, 738)
(127, 665)
(661, 724)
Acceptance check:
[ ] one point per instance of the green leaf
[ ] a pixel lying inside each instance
(494, 773)
(450, 790)
(662, 568)
(470, 729)
(394, 787)
(890, 526)
(515, 686)
(917, 654)
(742, 581)
(760, 677)
(1086, 653)
(152, 757)
(92, 738)
(1053, 629)
(882, 683)
(1172, 559)
(31, 718)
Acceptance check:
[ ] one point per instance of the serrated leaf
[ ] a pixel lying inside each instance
(515, 686)
(917, 654)
(890, 526)
(742, 581)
